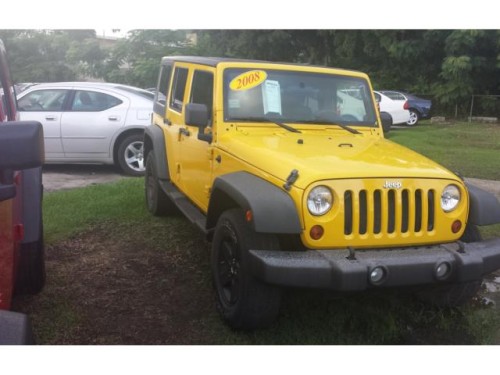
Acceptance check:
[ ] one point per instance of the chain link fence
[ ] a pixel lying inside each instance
(485, 108)
(477, 107)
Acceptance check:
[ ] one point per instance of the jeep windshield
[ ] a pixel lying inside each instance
(285, 96)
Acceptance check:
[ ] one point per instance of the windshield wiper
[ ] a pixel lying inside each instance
(267, 119)
(327, 122)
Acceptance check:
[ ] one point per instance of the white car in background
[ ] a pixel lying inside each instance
(90, 122)
(398, 110)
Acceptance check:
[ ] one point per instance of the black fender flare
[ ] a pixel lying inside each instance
(154, 140)
(484, 207)
(273, 210)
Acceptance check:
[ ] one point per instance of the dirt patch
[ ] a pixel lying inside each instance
(60, 177)
(128, 283)
(111, 288)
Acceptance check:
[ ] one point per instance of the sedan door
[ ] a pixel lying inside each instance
(46, 106)
(91, 123)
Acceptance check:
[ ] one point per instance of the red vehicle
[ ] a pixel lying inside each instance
(22, 264)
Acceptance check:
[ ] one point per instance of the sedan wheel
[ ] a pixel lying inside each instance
(413, 118)
(131, 155)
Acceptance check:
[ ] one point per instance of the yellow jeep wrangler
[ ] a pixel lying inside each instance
(286, 170)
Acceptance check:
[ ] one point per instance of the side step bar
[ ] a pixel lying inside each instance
(184, 205)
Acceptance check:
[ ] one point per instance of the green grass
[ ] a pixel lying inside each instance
(471, 149)
(67, 212)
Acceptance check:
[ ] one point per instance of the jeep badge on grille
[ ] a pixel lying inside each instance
(393, 185)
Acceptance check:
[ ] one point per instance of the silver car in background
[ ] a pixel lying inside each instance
(90, 122)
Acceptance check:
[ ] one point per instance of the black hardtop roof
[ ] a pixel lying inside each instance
(210, 61)
(214, 61)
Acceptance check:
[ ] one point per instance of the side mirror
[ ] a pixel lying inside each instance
(386, 121)
(197, 115)
(21, 145)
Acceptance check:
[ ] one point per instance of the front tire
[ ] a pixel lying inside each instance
(243, 301)
(130, 155)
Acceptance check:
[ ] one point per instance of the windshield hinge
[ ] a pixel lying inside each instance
(290, 180)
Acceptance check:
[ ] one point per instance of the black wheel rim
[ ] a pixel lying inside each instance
(228, 272)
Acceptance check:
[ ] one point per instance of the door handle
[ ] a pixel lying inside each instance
(113, 118)
(184, 131)
(50, 118)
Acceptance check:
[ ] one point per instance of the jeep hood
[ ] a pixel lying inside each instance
(326, 155)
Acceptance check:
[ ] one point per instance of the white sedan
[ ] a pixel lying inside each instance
(397, 109)
(90, 122)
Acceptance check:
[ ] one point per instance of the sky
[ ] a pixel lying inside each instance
(257, 14)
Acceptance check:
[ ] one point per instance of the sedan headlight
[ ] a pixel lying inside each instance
(319, 200)
(450, 198)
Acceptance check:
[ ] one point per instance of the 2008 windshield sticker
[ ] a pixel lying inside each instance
(248, 80)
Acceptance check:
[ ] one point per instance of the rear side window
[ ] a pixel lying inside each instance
(163, 84)
(91, 101)
(43, 100)
(202, 89)
(178, 89)
(160, 100)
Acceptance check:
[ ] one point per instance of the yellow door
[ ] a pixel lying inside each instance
(196, 155)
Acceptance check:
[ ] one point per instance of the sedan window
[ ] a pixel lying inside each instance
(91, 101)
(43, 100)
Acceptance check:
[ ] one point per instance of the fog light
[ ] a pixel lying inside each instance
(377, 275)
(316, 232)
(443, 270)
(456, 226)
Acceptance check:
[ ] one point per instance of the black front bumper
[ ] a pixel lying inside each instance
(345, 270)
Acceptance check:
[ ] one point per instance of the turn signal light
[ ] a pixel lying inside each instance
(456, 226)
(248, 216)
(316, 232)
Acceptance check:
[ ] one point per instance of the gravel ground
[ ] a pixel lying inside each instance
(59, 177)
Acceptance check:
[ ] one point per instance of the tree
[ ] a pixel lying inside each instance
(135, 60)
(469, 67)
(449, 65)
(42, 55)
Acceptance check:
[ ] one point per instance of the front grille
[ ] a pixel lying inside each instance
(391, 211)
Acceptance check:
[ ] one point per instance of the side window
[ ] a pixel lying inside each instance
(160, 100)
(202, 89)
(178, 89)
(91, 101)
(163, 81)
(43, 100)
(394, 95)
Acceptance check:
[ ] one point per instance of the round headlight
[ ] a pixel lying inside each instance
(450, 198)
(319, 200)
